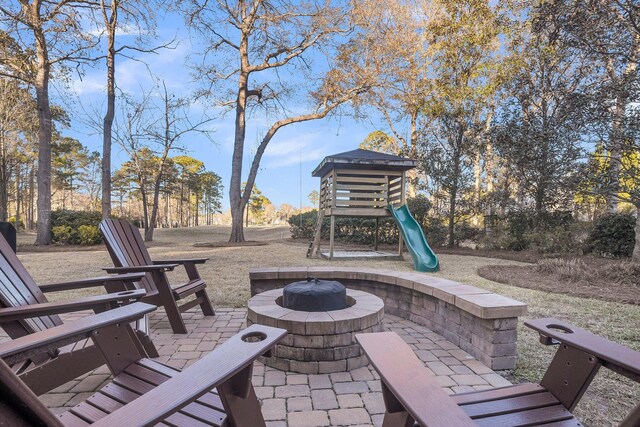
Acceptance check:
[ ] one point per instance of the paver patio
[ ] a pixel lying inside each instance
(292, 399)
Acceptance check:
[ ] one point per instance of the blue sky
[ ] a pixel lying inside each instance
(285, 173)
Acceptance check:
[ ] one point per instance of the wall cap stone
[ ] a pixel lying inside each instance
(476, 301)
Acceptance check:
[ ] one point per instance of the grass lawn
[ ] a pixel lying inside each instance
(609, 398)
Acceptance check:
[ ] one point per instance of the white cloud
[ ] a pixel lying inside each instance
(304, 147)
(122, 30)
(91, 83)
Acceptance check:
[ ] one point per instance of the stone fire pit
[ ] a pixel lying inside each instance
(318, 342)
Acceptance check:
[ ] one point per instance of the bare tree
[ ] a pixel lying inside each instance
(149, 131)
(463, 43)
(266, 61)
(17, 115)
(392, 45)
(42, 35)
(607, 32)
(117, 15)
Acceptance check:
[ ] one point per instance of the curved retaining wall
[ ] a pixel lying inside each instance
(479, 322)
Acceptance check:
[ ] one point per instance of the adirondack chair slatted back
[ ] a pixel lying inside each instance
(17, 288)
(127, 248)
(19, 405)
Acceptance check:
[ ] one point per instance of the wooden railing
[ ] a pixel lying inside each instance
(361, 189)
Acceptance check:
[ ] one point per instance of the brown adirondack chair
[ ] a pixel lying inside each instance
(143, 392)
(129, 254)
(24, 310)
(411, 393)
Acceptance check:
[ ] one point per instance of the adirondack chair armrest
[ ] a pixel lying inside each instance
(181, 261)
(225, 362)
(91, 282)
(140, 268)
(407, 386)
(24, 347)
(612, 355)
(98, 302)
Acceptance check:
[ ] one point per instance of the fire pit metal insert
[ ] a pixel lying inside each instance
(315, 295)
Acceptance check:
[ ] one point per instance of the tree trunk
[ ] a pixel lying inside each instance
(148, 231)
(108, 121)
(167, 210)
(477, 185)
(189, 223)
(452, 216)
(412, 174)
(237, 227)
(18, 197)
(145, 211)
(237, 202)
(5, 176)
(635, 257)
(196, 213)
(617, 131)
(182, 201)
(453, 192)
(31, 196)
(43, 236)
(4, 191)
(615, 153)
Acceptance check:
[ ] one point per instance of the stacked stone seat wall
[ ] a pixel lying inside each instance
(477, 321)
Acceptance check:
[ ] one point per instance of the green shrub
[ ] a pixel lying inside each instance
(558, 240)
(75, 219)
(435, 232)
(89, 235)
(19, 226)
(75, 227)
(420, 206)
(547, 232)
(62, 234)
(518, 223)
(348, 230)
(362, 230)
(613, 235)
(463, 231)
(303, 225)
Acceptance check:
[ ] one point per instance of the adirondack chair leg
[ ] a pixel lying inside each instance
(395, 415)
(174, 316)
(142, 331)
(119, 345)
(168, 301)
(399, 419)
(148, 345)
(205, 305)
(240, 400)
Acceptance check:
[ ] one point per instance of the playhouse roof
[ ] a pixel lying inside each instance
(363, 159)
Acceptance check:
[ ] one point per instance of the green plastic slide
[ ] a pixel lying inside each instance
(424, 259)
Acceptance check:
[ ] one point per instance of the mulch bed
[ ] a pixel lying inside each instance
(521, 256)
(607, 280)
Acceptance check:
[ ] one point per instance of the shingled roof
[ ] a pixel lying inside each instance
(363, 159)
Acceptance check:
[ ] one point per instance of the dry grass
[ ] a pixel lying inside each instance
(591, 269)
(609, 398)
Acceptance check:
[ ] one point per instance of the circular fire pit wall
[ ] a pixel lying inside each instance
(321, 341)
